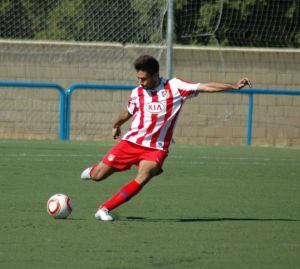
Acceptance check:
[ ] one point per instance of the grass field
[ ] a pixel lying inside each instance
(213, 207)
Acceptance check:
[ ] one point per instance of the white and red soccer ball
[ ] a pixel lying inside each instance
(59, 206)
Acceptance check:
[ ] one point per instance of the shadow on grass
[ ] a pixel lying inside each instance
(204, 219)
(71, 219)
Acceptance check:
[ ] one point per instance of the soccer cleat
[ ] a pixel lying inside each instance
(86, 173)
(103, 214)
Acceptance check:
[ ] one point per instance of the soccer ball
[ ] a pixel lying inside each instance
(59, 206)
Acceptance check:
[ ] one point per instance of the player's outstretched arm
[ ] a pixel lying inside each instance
(219, 86)
(123, 117)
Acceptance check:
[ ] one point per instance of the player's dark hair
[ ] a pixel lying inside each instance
(147, 64)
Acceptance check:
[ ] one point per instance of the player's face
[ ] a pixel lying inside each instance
(146, 80)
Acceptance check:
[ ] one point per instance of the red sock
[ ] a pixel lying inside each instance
(123, 195)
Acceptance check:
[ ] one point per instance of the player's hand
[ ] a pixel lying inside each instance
(116, 132)
(243, 82)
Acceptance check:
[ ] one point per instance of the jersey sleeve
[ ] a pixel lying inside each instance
(186, 89)
(132, 103)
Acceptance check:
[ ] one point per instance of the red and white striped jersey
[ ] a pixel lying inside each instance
(155, 112)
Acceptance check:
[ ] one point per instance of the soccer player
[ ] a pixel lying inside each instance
(154, 107)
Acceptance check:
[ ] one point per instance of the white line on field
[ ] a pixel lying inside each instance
(22, 154)
(179, 158)
(28, 159)
(183, 163)
(248, 162)
(247, 159)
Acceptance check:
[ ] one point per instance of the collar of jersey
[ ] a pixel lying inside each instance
(159, 87)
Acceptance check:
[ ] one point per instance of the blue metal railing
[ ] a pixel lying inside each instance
(43, 85)
(251, 92)
(65, 100)
(89, 87)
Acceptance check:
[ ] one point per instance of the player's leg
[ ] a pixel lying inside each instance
(108, 165)
(102, 171)
(147, 170)
(98, 172)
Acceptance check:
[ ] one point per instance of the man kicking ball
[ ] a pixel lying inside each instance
(154, 107)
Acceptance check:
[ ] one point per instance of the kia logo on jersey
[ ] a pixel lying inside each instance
(155, 107)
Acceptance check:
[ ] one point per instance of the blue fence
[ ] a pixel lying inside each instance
(66, 100)
(251, 92)
(89, 87)
(41, 85)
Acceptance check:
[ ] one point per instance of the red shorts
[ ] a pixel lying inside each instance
(124, 154)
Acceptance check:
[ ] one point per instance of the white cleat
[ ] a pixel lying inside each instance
(86, 174)
(103, 214)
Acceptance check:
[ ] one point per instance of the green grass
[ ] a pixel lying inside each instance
(213, 207)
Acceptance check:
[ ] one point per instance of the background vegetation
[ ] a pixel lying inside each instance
(263, 23)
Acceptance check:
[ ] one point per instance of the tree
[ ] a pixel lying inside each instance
(14, 20)
(262, 23)
(249, 23)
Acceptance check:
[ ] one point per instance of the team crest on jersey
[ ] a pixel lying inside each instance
(155, 107)
(111, 157)
(165, 93)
